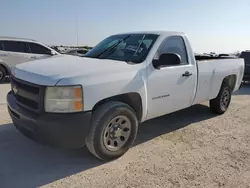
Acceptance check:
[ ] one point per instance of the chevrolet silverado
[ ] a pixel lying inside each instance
(98, 100)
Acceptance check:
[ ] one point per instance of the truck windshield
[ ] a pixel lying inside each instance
(130, 48)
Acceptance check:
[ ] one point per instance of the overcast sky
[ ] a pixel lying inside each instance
(214, 25)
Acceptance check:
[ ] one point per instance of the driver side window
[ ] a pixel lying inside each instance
(174, 44)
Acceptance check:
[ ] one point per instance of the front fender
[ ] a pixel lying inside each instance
(102, 90)
(101, 86)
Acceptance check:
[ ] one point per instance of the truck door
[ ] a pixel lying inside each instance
(173, 87)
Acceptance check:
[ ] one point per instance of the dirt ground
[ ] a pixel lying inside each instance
(190, 148)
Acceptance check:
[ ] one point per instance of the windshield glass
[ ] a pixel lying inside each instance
(129, 47)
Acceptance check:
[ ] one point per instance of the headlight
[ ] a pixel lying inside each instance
(63, 99)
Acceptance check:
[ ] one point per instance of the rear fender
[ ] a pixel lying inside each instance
(230, 80)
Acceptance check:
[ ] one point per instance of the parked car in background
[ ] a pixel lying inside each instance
(128, 78)
(14, 51)
(223, 55)
(77, 52)
(246, 56)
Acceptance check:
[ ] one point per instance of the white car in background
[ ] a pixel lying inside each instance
(14, 51)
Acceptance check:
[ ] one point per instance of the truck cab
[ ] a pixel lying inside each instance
(182, 72)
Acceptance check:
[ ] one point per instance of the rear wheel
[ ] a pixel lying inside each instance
(113, 130)
(2, 74)
(221, 103)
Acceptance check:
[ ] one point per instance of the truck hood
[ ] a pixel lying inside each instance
(51, 70)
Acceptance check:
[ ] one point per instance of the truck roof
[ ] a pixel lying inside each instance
(163, 33)
(16, 39)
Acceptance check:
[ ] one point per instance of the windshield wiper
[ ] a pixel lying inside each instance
(113, 46)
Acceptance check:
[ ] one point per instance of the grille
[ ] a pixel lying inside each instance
(27, 94)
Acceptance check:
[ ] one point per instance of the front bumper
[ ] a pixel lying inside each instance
(61, 130)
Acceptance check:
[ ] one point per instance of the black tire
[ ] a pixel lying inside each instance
(99, 124)
(220, 104)
(2, 74)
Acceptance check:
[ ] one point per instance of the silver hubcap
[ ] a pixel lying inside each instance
(225, 99)
(116, 133)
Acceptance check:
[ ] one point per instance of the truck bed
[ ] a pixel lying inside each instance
(212, 73)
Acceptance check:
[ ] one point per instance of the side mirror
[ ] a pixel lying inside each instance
(167, 59)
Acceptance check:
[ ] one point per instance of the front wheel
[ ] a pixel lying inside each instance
(221, 103)
(114, 127)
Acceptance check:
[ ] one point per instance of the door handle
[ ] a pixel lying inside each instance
(187, 74)
(33, 57)
(3, 55)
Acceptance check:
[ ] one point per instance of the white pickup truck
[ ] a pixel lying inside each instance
(99, 99)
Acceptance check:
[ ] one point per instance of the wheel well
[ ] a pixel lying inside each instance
(230, 81)
(131, 99)
(5, 68)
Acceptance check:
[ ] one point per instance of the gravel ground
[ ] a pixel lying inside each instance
(4, 88)
(190, 148)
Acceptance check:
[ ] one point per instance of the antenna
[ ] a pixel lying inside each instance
(77, 28)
